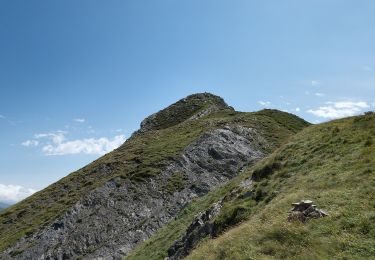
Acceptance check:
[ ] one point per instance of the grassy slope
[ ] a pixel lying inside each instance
(140, 157)
(276, 126)
(332, 164)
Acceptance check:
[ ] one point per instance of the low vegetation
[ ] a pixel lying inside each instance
(332, 164)
(141, 157)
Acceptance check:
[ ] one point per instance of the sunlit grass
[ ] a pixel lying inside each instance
(140, 158)
(333, 165)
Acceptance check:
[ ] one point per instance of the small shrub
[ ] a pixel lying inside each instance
(176, 182)
(368, 142)
(230, 217)
(16, 252)
(335, 130)
(260, 194)
(367, 171)
(265, 171)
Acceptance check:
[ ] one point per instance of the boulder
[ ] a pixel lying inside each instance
(305, 210)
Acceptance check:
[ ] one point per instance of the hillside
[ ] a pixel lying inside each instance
(120, 200)
(332, 164)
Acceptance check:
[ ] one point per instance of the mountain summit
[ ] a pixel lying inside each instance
(192, 107)
(112, 205)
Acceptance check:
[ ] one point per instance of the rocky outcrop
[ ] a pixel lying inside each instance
(200, 228)
(304, 210)
(112, 219)
(204, 225)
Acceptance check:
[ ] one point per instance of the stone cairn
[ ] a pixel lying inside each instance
(305, 210)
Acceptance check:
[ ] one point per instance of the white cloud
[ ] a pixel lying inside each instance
(264, 103)
(56, 143)
(87, 146)
(80, 120)
(315, 83)
(340, 109)
(318, 94)
(30, 143)
(14, 193)
(56, 137)
(298, 109)
(367, 68)
(61, 146)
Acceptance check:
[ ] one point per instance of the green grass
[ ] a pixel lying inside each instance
(176, 182)
(332, 164)
(184, 109)
(141, 157)
(156, 247)
(275, 131)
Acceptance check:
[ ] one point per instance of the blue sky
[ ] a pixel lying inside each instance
(77, 77)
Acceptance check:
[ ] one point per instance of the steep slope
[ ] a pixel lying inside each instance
(332, 164)
(108, 207)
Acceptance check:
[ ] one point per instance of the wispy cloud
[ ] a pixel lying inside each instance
(366, 68)
(318, 94)
(55, 137)
(87, 146)
(315, 83)
(264, 103)
(333, 110)
(297, 109)
(55, 143)
(79, 120)
(14, 193)
(30, 143)
(2, 117)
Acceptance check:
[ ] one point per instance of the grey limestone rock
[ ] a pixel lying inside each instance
(111, 220)
(198, 229)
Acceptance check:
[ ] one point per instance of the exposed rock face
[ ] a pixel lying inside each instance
(198, 229)
(113, 219)
(204, 224)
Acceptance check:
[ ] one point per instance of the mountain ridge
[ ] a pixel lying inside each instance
(143, 184)
(189, 108)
